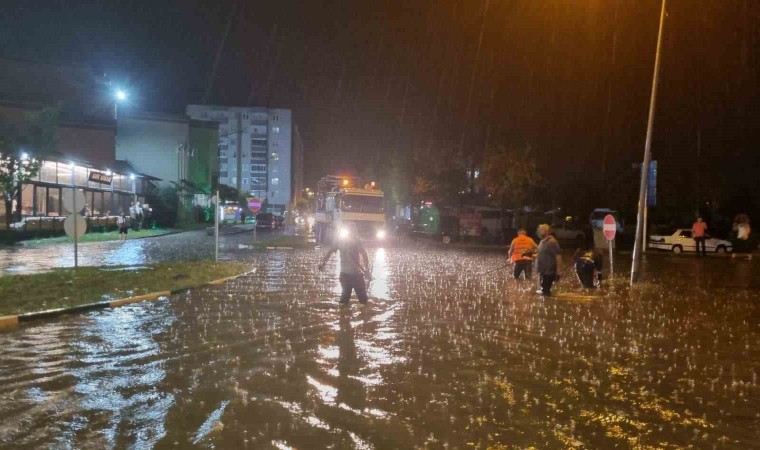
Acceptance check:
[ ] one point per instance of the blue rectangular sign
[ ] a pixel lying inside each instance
(652, 186)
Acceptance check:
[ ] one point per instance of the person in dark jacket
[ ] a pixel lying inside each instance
(588, 268)
(548, 259)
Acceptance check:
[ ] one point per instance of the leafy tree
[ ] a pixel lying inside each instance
(23, 146)
(510, 174)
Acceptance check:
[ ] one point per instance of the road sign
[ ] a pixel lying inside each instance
(73, 197)
(80, 226)
(254, 204)
(609, 227)
(652, 186)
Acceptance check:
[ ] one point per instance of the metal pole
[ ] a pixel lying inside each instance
(216, 228)
(637, 253)
(612, 264)
(76, 232)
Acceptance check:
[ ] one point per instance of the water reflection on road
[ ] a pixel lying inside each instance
(192, 245)
(441, 358)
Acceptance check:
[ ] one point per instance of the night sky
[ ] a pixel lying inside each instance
(569, 79)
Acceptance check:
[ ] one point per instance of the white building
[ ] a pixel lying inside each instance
(255, 154)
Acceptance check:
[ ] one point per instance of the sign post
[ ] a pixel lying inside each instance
(609, 227)
(74, 224)
(216, 226)
(254, 204)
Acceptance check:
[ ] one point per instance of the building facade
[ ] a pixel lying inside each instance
(83, 159)
(255, 151)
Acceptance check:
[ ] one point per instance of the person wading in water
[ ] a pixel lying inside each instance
(352, 255)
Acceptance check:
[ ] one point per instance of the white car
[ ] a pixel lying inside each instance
(567, 232)
(681, 241)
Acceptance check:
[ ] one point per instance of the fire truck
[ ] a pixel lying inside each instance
(341, 200)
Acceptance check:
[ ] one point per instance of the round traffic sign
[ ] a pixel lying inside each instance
(609, 227)
(73, 200)
(254, 204)
(81, 225)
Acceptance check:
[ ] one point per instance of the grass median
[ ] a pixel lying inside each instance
(65, 288)
(96, 237)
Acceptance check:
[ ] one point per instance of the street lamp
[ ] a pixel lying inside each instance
(120, 96)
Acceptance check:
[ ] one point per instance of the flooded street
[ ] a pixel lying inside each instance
(186, 246)
(443, 357)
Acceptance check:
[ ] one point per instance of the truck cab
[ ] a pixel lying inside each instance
(339, 202)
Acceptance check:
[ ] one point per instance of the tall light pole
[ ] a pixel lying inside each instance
(119, 97)
(641, 217)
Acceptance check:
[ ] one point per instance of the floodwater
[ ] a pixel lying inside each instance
(191, 245)
(443, 357)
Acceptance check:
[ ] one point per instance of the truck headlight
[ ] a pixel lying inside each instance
(380, 234)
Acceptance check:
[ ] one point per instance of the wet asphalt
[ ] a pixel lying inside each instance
(442, 357)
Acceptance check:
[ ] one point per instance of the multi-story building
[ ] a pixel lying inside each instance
(178, 150)
(255, 151)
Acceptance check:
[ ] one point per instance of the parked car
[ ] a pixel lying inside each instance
(568, 232)
(279, 221)
(681, 241)
(446, 229)
(265, 221)
(598, 215)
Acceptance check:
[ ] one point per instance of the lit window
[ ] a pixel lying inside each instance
(275, 181)
(275, 129)
(275, 156)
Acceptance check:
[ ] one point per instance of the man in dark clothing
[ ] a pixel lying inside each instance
(588, 268)
(352, 272)
(548, 260)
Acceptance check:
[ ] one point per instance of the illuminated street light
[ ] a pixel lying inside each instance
(24, 156)
(120, 96)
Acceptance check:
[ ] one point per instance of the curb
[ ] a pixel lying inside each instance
(15, 320)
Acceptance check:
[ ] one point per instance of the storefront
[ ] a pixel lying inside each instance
(107, 192)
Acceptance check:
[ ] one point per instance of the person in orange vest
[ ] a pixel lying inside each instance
(698, 233)
(521, 253)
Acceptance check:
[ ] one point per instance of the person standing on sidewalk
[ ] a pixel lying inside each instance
(521, 252)
(548, 259)
(123, 223)
(699, 234)
(352, 271)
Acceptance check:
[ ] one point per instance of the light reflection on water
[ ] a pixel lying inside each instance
(439, 358)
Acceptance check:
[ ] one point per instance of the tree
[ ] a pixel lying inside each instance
(23, 146)
(509, 175)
